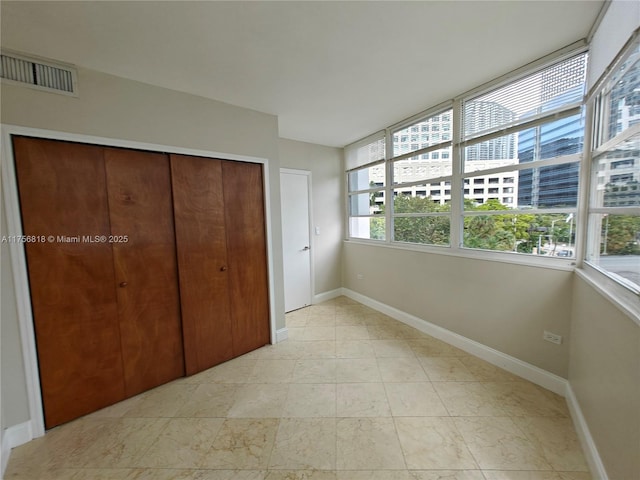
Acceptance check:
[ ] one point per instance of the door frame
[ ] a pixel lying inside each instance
(308, 174)
(18, 257)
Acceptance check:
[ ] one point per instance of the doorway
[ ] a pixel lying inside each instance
(296, 238)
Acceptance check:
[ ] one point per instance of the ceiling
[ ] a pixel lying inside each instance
(332, 72)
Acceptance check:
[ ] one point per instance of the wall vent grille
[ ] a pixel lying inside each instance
(38, 74)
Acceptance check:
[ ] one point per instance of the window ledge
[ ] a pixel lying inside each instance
(553, 263)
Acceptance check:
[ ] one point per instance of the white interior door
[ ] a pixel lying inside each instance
(296, 246)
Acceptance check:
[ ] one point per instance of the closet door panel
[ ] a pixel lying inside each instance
(63, 198)
(144, 256)
(246, 240)
(202, 260)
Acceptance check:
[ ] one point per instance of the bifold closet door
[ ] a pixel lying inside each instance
(63, 197)
(247, 254)
(202, 259)
(146, 274)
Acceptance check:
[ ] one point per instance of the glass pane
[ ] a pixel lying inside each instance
(364, 154)
(424, 230)
(553, 186)
(429, 131)
(622, 102)
(548, 235)
(614, 245)
(368, 227)
(617, 176)
(428, 198)
(367, 178)
(554, 139)
(371, 203)
(532, 96)
(423, 167)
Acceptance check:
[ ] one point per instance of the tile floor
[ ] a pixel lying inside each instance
(352, 395)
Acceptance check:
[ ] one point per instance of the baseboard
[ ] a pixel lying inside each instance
(330, 295)
(516, 366)
(282, 334)
(584, 434)
(14, 437)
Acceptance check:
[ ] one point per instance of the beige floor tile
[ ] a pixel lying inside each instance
(317, 349)
(243, 443)
(305, 444)
(310, 400)
(352, 332)
(321, 370)
(375, 475)
(259, 401)
(414, 400)
(122, 445)
(485, 372)
(368, 443)
(498, 444)
(575, 476)
(403, 369)
(295, 333)
(319, 333)
(558, 441)
(520, 475)
(322, 309)
(362, 400)
(432, 443)
(446, 369)
(272, 371)
(184, 443)
(357, 370)
(291, 320)
(233, 371)
(448, 475)
(300, 475)
(391, 348)
(354, 349)
(371, 317)
(432, 347)
(209, 400)
(164, 401)
(468, 399)
(321, 320)
(349, 319)
(387, 332)
(524, 399)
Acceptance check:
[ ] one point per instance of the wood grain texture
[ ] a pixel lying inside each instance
(140, 207)
(202, 261)
(247, 253)
(62, 194)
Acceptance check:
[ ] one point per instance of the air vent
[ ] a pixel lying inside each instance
(38, 74)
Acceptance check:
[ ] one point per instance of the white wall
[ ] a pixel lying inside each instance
(121, 109)
(325, 165)
(504, 306)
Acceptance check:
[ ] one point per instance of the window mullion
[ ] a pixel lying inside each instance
(456, 220)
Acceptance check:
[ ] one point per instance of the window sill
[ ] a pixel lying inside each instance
(554, 263)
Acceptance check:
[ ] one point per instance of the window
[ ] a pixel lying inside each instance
(613, 240)
(509, 156)
(366, 181)
(527, 134)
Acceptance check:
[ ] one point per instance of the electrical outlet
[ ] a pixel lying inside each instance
(552, 337)
(360, 276)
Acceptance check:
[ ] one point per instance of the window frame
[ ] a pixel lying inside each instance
(458, 143)
(600, 143)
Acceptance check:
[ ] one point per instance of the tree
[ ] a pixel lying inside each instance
(432, 230)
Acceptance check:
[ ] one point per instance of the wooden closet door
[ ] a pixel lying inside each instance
(202, 261)
(144, 255)
(63, 198)
(247, 253)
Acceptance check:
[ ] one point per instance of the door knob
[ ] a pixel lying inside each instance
(307, 247)
(123, 284)
(223, 268)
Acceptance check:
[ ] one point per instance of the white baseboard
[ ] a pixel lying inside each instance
(584, 434)
(324, 296)
(518, 367)
(14, 437)
(282, 334)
